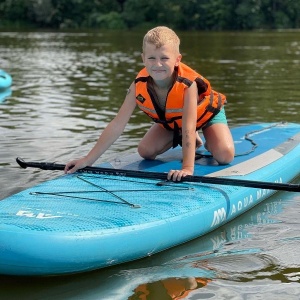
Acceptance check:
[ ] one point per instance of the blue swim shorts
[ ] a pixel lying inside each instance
(219, 118)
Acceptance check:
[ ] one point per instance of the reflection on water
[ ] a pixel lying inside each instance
(67, 86)
(5, 94)
(170, 288)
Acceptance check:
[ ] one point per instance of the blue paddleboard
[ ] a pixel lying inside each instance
(5, 80)
(82, 222)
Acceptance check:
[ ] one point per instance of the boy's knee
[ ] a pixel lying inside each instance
(225, 156)
(145, 152)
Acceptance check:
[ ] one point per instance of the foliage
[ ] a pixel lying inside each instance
(178, 14)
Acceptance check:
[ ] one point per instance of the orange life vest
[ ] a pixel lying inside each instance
(209, 101)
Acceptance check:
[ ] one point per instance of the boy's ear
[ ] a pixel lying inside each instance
(143, 57)
(178, 60)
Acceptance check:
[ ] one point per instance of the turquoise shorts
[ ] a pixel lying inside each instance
(219, 118)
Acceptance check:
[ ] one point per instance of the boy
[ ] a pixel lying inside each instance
(179, 101)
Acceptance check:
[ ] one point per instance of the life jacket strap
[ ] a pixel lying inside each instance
(177, 136)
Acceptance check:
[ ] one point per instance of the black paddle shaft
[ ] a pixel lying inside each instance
(289, 187)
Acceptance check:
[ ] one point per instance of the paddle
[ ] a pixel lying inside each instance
(289, 187)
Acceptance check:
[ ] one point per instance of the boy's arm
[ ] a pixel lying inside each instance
(189, 119)
(109, 135)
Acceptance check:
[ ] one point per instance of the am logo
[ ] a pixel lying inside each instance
(219, 217)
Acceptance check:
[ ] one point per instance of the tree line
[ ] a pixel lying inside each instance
(127, 14)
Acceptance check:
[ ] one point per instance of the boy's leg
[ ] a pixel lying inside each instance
(156, 141)
(219, 142)
(199, 141)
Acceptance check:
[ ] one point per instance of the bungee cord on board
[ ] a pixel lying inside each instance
(101, 189)
(200, 155)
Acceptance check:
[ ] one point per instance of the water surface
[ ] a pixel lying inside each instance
(67, 86)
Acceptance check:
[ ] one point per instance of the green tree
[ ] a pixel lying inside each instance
(178, 14)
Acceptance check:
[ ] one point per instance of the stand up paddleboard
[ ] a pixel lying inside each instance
(5, 80)
(124, 209)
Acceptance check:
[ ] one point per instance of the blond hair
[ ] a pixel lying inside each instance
(160, 36)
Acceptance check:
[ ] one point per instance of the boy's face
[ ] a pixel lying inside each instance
(160, 62)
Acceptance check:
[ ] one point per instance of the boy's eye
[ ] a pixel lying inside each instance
(163, 58)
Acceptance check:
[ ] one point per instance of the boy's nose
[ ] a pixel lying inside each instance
(158, 62)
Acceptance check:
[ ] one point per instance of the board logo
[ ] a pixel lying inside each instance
(219, 216)
(39, 215)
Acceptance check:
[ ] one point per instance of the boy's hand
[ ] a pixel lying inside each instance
(177, 175)
(74, 165)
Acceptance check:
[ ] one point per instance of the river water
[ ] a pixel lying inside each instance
(67, 86)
